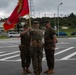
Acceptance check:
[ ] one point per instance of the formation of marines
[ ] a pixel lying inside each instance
(31, 48)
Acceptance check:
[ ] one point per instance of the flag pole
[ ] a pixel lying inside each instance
(29, 21)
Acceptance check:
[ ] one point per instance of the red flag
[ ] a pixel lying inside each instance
(21, 9)
(25, 8)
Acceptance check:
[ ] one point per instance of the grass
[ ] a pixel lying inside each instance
(3, 37)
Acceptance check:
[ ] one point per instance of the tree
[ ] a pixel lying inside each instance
(72, 15)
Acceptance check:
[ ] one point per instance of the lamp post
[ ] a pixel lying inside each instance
(55, 23)
(58, 16)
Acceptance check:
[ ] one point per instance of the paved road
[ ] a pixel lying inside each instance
(65, 57)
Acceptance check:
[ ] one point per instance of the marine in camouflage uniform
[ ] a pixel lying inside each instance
(49, 45)
(25, 50)
(36, 48)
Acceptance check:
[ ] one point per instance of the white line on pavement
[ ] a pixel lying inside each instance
(56, 48)
(10, 57)
(9, 53)
(64, 50)
(44, 58)
(68, 56)
(8, 46)
(63, 43)
(73, 38)
(1, 52)
(18, 60)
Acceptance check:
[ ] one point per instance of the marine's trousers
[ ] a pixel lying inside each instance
(37, 54)
(50, 57)
(25, 58)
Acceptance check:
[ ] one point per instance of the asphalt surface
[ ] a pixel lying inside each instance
(65, 57)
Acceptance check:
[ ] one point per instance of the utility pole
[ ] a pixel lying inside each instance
(32, 11)
(58, 16)
(55, 23)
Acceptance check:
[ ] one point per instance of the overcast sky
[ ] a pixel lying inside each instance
(41, 7)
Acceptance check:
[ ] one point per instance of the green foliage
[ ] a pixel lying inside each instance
(69, 21)
(3, 37)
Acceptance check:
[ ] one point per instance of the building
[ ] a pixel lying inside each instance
(2, 32)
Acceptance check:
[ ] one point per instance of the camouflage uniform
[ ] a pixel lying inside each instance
(36, 50)
(25, 50)
(49, 47)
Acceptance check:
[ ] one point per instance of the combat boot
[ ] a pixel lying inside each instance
(24, 71)
(49, 71)
(37, 73)
(28, 71)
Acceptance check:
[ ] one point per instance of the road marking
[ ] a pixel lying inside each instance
(9, 60)
(9, 53)
(10, 57)
(1, 52)
(73, 38)
(56, 48)
(63, 43)
(18, 60)
(73, 59)
(64, 50)
(44, 58)
(68, 56)
(9, 42)
(8, 46)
